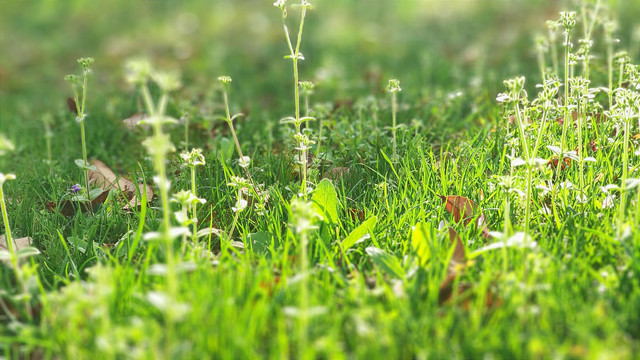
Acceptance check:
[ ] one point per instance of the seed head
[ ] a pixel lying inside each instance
(224, 80)
(394, 86)
(193, 158)
(568, 19)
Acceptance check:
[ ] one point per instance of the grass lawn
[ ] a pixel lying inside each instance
(334, 179)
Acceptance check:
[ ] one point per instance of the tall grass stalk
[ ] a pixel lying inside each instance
(295, 55)
(80, 97)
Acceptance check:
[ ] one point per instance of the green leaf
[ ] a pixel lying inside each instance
(422, 238)
(261, 242)
(84, 166)
(79, 244)
(325, 200)
(360, 233)
(26, 252)
(226, 150)
(95, 193)
(388, 264)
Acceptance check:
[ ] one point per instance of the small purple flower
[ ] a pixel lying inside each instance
(76, 188)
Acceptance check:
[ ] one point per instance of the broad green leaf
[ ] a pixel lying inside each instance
(261, 242)
(362, 232)
(226, 150)
(79, 244)
(325, 199)
(94, 193)
(387, 263)
(422, 238)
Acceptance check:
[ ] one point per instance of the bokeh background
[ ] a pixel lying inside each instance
(352, 47)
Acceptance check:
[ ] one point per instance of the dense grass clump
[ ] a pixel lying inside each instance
(454, 217)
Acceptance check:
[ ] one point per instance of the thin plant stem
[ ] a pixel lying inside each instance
(81, 116)
(625, 170)
(565, 124)
(304, 298)
(230, 122)
(7, 228)
(394, 109)
(523, 139)
(194, 205)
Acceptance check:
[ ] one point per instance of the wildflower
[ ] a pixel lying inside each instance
(76, 188)
(394, 86)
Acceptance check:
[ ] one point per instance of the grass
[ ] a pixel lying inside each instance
(269, 273)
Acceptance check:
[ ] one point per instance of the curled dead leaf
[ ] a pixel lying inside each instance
(106, 179)
(68, 207)
(133, 122)
(18, 244)
(459, 207)
(462, 208)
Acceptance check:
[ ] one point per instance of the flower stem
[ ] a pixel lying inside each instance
(625, 169)
(394, 109)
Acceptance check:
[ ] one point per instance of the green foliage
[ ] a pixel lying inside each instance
(264, 256)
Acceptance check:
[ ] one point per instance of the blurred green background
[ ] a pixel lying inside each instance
(352, 48)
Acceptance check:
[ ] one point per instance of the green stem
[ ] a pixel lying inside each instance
(541, 65)
(230, 123)
(82, 133)
(235, 221)
(7, 235)
(529, 165)
(565, 124)
(625, 169)
(194, 206)
(394, 109)
(621, 77)
(610, 71)
(581, 149)
(84, 157)
(304, 298)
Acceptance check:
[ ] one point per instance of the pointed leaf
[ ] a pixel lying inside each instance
(360, 233)
(387, 263)
(325, 200)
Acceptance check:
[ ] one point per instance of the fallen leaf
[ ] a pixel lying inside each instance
(68, 207)
(553, 163)
(133, 122)
(104, 178)
(18, 244)
(462, 208)
(356, 214)
(459, 207)
(455, 267)
(336, 173)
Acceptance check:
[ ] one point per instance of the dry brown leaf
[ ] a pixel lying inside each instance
(67, 207)
(71, 105)
(462, 208)
(456, 265)
(336, 173)
(133, 122)
(106, 179)
(18, 244)
(459, 207)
